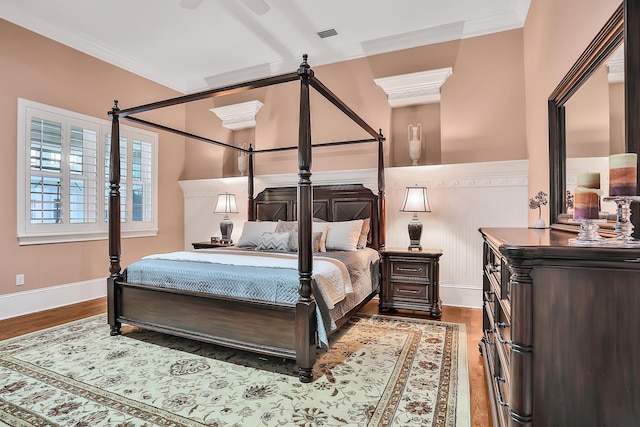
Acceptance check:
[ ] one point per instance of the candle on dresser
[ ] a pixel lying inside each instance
(589, 180)
(586, 202)
(623, 170)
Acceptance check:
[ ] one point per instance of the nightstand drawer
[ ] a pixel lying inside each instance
(409, 268)
(409, 290)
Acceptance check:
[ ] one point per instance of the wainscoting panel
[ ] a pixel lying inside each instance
(462, 198)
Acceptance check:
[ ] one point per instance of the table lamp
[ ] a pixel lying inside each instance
(415, 200)
(226, 205)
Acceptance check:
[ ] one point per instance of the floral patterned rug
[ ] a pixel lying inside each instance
(380, 371)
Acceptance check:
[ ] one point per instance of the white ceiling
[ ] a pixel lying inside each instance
(224, 41)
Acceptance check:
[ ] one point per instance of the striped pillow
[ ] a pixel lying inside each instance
(273, 242)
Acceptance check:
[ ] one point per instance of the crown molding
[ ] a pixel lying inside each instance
(238, 116)
(415, 88)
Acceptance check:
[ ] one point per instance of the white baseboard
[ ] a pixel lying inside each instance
(21, 303)
(461, 296)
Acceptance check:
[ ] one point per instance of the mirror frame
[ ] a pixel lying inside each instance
(602, 46)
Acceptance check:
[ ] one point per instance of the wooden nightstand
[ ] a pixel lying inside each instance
(209, 245)
(410, 280)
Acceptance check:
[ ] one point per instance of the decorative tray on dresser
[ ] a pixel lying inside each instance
(560, 345)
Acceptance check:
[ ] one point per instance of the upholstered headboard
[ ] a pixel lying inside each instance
(330, 203)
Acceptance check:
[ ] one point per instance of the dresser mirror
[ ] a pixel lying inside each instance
(587, 120)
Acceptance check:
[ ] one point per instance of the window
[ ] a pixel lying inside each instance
(63, 162)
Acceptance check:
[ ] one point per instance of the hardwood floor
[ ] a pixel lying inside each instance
(472, 318)
(21, 325)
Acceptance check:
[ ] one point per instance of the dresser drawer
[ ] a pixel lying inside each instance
(410, 269)
(409, 291)
(502, 331)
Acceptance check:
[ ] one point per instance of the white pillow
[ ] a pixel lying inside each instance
(252, 231)
(344, 236)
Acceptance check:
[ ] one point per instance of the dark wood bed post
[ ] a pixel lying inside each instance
(114, 220)
(251, 210)
(382, 220)
(305, 344)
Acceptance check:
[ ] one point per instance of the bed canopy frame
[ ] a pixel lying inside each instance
(305, 308)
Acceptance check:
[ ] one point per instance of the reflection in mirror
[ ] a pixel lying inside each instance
(594, 115)
(586, 121)
(594, 121)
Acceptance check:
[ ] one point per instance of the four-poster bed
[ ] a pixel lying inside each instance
(291, 328)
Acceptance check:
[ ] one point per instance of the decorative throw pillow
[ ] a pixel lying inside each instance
(286, 226)
(323, 229)
(273, 242)
(344, 235)
(364, 233)
(252, 231)
(318, 243)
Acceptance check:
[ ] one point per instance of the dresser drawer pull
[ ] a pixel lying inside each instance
(502, 340)
(497, 381)
(408, 291)
(494, 269)
(412, 270)
(488, 296)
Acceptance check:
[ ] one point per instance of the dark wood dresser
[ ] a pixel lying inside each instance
(561, 342)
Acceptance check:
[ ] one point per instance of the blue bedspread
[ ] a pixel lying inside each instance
(246, 282)
(271, 284)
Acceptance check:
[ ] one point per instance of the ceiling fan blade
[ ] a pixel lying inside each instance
(190, 4)
(259, 7)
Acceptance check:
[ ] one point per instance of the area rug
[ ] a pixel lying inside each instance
(379, 371)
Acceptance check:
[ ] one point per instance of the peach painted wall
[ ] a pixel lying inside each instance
(41, 70)
(481, 116)
(555, 34)
(494, 107)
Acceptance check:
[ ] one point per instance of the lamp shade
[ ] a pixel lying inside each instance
(226, 204)
(415, 200)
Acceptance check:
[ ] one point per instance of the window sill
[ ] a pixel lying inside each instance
(33, 239)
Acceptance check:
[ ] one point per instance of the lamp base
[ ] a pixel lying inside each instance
(226, 227)
(415, 232)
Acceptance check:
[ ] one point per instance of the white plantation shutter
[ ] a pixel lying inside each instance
(83, 175)
(45, 164)
(141, 181)
(63, 161)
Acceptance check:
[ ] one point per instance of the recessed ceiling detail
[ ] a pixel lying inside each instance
(210, 40)
(416, 88)
(238, 116)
